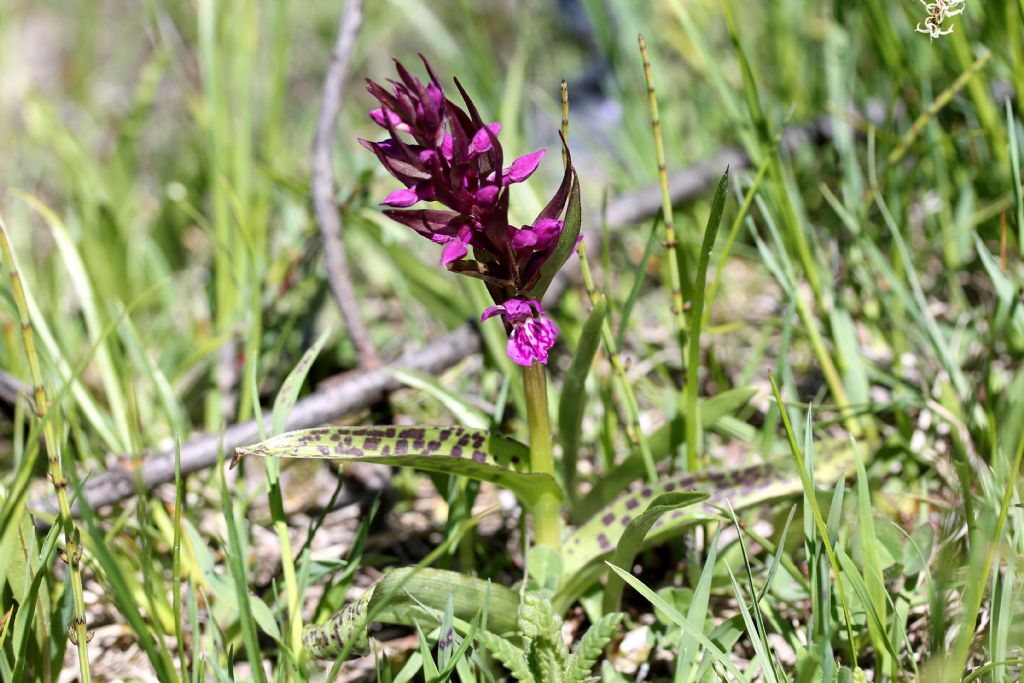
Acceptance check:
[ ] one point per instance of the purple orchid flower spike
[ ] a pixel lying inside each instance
(441, 152)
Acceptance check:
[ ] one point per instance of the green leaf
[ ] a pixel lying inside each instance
(472, 453)
(566, 241)
(741, 487)
(289, 392)
(545, 566)
(713, 410)
(639, 273)
(408, 594)
(541, 627)
(511, 657)
(633, 537)
(679, 620)
(466, 413)
(591, 647)
(574, 397)
(698, 612)
(693, 425)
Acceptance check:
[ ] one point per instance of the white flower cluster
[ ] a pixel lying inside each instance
(938, 11)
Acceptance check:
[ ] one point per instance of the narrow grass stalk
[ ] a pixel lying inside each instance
(675, 277)
(77, 630)
(179, 501)
(944, 98)
(693, 426)
(818, 520)
(637, 439)
(547, 513)
(730, 239)
(975, 590)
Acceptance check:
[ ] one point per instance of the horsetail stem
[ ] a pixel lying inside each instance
(77, 630)
(666, 200)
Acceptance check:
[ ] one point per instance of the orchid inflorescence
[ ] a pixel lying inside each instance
(451, 156)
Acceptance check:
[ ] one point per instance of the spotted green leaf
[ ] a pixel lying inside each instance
(635, 532)
(741, 488)
(473, 453)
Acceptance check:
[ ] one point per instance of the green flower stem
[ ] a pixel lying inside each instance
(547, 512)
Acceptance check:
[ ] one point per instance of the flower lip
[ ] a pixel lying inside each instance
(532, 334)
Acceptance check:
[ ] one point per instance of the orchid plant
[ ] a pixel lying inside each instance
(446, 154)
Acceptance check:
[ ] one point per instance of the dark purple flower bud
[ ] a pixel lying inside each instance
(522, 168)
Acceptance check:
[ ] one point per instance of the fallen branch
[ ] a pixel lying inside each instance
(322, 182)
(347, 393)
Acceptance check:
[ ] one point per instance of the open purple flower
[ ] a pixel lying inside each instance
(531, 334)
(444, 153)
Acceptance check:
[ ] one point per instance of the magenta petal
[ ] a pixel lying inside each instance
(487, 194)
(401, 198)
(523, 167)
(447, 145)
(524, 238)
(517, 309)
(481, 140)
(519, 349)
(453, 251)
(382, 117)
(547, 230)
(491, 312)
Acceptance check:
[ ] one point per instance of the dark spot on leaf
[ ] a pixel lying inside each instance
(646, 492)
(371, 443)
(479, 456)
(670, 486)
(603, 543)
(412, 434)
(632, 504)
(389, 432)
(433, 447)
(456, 451)
(401, 447)
(625, 520)
(324, 451)
(608, 519)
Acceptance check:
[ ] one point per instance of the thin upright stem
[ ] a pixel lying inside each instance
(77, 630)
(666, 199)
(547, 513)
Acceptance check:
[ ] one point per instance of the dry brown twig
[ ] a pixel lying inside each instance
(329, 220)
(352, 391)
